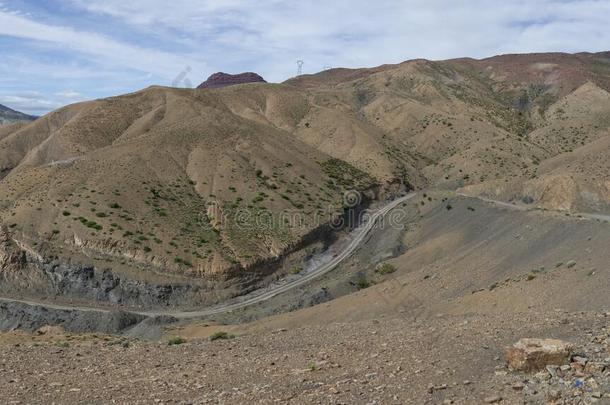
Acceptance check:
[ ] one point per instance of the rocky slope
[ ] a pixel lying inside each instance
(393, 359)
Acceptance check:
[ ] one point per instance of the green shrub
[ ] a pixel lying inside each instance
(180, 260)
(362, 283)
(176, 340)
(90, 224)
(385, 268)
(221, 335)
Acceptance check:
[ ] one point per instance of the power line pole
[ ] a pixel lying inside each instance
(300, 64)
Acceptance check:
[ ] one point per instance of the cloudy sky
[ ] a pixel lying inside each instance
(55, 52)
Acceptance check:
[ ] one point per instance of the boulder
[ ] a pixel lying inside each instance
(530, 354)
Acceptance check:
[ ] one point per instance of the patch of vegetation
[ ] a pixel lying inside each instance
(385, 268)
(346, 176)
(176, 340)
(185, 262)
(221, 335)
(90, 224)
(363, 96)
(362, 282)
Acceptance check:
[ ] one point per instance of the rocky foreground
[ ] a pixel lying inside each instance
(389, 360)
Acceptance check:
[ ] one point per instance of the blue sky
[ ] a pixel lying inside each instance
(54, 52)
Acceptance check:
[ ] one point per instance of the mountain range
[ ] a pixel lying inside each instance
(169, 185)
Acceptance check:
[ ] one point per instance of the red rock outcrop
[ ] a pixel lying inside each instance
(221, 79)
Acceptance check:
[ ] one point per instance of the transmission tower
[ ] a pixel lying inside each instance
(300, 64)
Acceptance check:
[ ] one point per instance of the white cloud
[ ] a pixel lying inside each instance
(158, 39)
(69, 94)
(104, 49)
(31, 104)
(272, 34)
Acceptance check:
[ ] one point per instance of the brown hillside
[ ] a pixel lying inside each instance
(158, 182)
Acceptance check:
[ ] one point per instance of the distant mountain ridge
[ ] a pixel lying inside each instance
(10, 116)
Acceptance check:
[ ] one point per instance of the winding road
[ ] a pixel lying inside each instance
(358, 236)
(264, 294)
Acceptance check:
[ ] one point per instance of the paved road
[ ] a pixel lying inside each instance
(358, 237)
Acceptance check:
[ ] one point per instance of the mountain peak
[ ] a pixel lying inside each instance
(221, 79)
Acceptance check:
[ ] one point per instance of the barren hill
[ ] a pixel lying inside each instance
(166, 185)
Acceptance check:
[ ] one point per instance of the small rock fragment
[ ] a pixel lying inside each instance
(518, 386)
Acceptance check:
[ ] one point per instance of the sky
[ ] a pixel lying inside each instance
(57, 52)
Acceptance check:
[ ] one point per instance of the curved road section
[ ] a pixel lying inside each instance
(358, 237)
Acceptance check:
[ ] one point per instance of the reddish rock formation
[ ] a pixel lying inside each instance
(221, 79)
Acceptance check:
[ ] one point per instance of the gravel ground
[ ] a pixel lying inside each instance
(444, 359)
